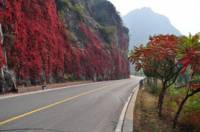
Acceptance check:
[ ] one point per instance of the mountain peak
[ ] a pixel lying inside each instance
(148, 9)
(144, 22)
(140, 10)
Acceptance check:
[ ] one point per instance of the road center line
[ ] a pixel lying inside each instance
(49, 106)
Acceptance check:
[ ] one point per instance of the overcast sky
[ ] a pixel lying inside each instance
(183, 14)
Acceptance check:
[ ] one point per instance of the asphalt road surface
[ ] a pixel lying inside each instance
(93, 107)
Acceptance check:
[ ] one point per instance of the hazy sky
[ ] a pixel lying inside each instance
(183, 14)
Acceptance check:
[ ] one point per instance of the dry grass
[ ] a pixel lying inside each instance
(146, 113)
(146, 118)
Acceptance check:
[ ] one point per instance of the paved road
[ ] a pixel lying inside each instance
(94, 107)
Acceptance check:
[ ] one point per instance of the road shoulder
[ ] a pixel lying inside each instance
(50, 87)
(125, 123)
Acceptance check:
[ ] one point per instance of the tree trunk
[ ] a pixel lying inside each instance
(182, 104)
(148, 81)
(161, 99)
(179, 111)
(155, 82)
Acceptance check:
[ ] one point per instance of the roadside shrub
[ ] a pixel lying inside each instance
(191, 111)
(153, 86)
(191, 120)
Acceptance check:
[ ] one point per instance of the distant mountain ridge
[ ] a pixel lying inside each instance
(143, 23)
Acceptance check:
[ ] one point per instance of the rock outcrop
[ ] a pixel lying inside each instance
(57, 40)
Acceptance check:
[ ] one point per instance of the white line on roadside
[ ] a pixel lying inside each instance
(123, 113)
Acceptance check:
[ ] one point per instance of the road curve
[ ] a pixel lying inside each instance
(95, 107)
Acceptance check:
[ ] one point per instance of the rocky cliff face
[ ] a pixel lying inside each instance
(55, 40)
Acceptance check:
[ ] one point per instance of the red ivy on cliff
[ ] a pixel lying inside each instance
(37, 45)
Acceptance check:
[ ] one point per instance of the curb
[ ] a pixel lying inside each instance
(51, 89)
(45, 90)
(124, 123)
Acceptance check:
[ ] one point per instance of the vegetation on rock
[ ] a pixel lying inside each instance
(50, 41)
